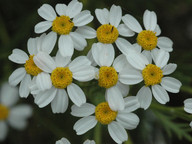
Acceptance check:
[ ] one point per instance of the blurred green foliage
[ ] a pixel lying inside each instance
(161, 123)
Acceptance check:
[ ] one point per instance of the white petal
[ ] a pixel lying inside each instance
(161, 58)
(128, 120)
(43, 81)
(9, 95)
(157, 30)
(160, 94)
(42, 26)
(103, 54)
(82, 111)
(61, 61)
(115, 99)
(24, 86)
(165, 43)
(120, 62)
(22, 111)
(17, 76)
(76, 94)
(3, 130)
(188, 105)
(84, 124)
(85, 73)
(117, 132)
(78, 40)
(125, 31)
(168, 69)
(102, 15)
(66, 46)
(62, 141)
(79, 62)
(123, 45)
(17, 123)
(82, 18)
(115, 15)
(89, 142)
(73, 8)
(124, 89)
(190, 124)
(147, 54)
(144, 96)
(61, 9)
(45, 97)
(90, 57)
(45, 62)
(150, 20)
(131, 104)
(18, 56)
(137, 47)
(171, 84)
(130, 77)
(47, 12)
(32, 46)
(60, 102)
(87, 32)
(49, 42)
(137, 60)
(132, 23)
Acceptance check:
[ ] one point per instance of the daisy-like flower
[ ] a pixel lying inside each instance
(70, 17)
(109, 74)
(24, 74)
(10, 114)
(188, 107)
(153, 76)
(110, 29)
(148, 39)
(65, 141)
(59, 74)
(125, 119)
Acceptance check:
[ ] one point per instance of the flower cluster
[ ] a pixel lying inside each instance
(54, 79)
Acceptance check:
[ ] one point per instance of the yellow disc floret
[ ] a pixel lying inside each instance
(147, 39)
(107, 34)
(108, 77)
(61, 77)
(62, 25)
(31, 67)
(152, 75)
(4, 112)
(104, 114)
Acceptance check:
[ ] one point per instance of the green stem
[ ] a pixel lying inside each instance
(98, 134)
(186, 89)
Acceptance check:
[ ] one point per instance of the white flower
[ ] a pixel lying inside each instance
(153, 75)
(188, 107)
(109, 73)
(110, 29)
(148, 39)
(125, 119)
(12, 115)
(59, 74)
(23, 74)
(65, 141)
(69, 17)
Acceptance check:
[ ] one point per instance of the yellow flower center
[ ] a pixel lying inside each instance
(107, 34)
(61, 77)
(108, 77)
(104, 114)
(31, 67)
(62, 25)
(147, 39)
(4, 112)
(152, 75)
